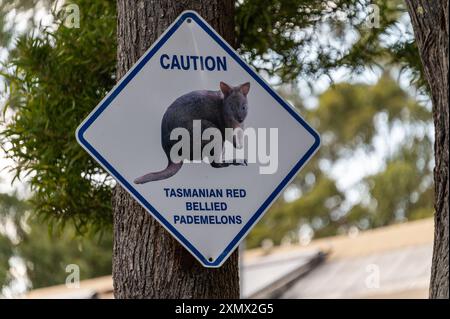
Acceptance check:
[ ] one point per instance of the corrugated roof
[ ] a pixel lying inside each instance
(400, 253)
(269, 275)
(388, 262)
(401, 271)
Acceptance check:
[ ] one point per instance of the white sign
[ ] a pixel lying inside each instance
(198, 139)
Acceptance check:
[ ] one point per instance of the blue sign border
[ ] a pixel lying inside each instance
(104, 104)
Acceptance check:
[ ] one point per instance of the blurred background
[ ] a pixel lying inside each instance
(355, 223)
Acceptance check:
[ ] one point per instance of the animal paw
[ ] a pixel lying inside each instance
(240, 163)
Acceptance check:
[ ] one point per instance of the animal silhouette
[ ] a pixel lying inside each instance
(225, 108)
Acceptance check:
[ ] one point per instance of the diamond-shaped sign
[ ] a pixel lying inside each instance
(190, 81)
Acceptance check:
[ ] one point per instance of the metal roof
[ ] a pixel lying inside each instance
(388, 262)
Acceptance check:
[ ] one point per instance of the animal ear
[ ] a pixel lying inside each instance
(225, 88)
(245, 88)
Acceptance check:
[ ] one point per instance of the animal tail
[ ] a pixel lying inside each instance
(169, 171)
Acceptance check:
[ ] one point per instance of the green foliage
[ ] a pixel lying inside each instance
(10, 209)
(47, 255)
(54, 80)
(44, 254)
(346, 114)
(404, 188)
(316, 205)
(346, 117)
(5, 253)
(309, 38)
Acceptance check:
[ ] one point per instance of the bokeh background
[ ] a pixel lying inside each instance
(350, 67)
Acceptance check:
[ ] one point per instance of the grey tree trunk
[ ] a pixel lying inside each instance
(147, 261)
(430, 22)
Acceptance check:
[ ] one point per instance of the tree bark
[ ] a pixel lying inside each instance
(147, 261)
(430, 22)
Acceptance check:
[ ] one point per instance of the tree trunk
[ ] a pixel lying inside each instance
(147, 261)
(430, 23)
